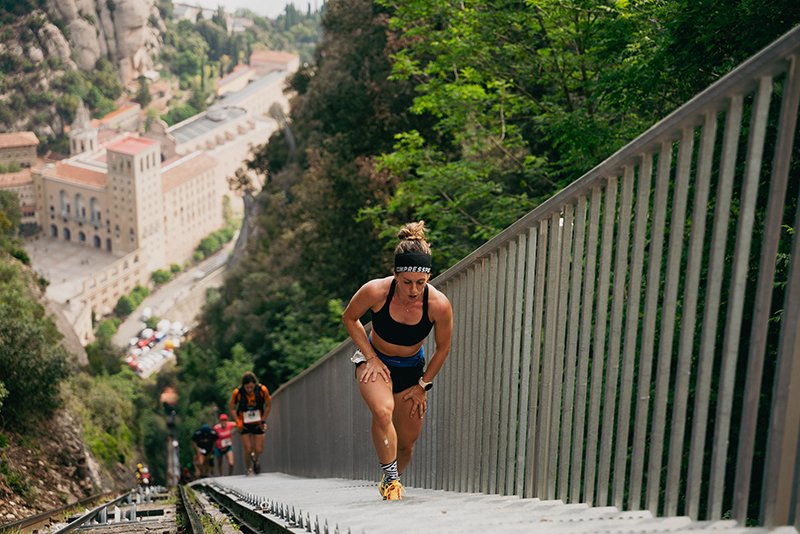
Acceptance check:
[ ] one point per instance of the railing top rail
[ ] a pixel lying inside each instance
(769, 61)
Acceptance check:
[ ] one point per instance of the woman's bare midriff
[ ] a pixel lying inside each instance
(390, 349)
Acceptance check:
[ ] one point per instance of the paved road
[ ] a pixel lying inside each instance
(181, 299)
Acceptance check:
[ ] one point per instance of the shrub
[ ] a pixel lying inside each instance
(160, 276)
(209, 245)
(124, 306)
(138, 294)
(107, 328)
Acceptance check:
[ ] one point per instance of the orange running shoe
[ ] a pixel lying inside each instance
(393, 491)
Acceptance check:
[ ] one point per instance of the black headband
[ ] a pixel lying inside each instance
(412, 262)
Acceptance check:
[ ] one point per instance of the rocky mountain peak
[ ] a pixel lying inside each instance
(125, 31)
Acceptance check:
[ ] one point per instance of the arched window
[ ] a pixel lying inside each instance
(97, 242)
(64, 203)
(67, 234)
(82, 237)
(94, 209)
(108, 244)
(53, 230)
(80, 209)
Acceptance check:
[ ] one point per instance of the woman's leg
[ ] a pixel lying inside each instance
(229, 456)
(408, 427)
(247, 447)
(379, 399)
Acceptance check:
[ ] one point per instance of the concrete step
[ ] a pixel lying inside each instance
(355, 506)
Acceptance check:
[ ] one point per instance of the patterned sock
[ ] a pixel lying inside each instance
(390, 470)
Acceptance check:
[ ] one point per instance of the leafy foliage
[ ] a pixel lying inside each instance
(127, 303)
(104, 357)
(30, 357)
(108, 407)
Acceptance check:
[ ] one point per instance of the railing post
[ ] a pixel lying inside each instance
(781, 471)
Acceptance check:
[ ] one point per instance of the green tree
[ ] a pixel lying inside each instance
(10, 214)
(104, 357)
(230, 371)
(160, 276)
(31, 359)
(143, 92)
(124, 306)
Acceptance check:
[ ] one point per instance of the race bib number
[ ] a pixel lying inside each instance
(252, 416)
(227, 442)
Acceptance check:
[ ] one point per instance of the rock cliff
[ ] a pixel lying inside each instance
(47, 47)
(127, 32)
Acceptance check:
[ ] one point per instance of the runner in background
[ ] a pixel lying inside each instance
(204, 439)
(251, 404)
(224, 445)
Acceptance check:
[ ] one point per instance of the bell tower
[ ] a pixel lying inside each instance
(82, 135)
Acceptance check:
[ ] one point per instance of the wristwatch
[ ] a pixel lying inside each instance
(425, 385)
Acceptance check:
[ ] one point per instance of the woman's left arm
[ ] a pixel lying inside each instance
(443, 332)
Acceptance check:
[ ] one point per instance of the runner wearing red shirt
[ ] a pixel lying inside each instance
(224, 443)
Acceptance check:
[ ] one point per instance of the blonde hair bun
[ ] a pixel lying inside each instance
(414, 231)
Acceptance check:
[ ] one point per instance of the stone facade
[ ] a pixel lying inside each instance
(18, 147)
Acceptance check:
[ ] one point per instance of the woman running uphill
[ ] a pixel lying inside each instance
(390, 363)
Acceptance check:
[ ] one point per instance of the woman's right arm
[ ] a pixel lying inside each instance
(232, 405)
(363, 300)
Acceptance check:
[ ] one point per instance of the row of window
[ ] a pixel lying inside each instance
(124, 164)
(67, 233)
(80, 209)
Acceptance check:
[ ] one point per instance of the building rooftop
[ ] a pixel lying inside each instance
(17, 139)
(179, 171)
(274, 56)
(13, 179)
(131, 145)
(238, 72)
(203, 123)
(257, 85)
(70, 172)
(123, 109)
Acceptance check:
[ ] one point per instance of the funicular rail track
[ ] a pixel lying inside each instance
(196, 509)
(36, 522)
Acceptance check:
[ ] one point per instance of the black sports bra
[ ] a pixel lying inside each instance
(396, 333)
